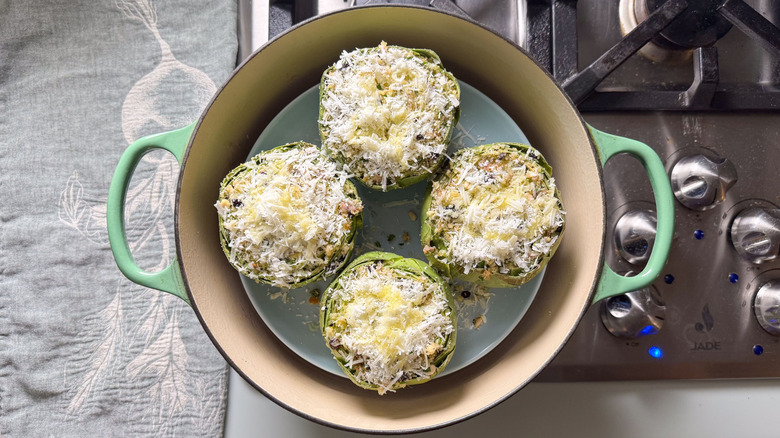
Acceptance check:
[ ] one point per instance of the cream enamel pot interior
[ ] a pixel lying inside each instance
(286, 67)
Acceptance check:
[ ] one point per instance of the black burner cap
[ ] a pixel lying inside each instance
(699, 25)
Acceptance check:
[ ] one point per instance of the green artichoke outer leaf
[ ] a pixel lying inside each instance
(405, 267)
(438, 253)
(428, 53)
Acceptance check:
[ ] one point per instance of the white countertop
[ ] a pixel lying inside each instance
(712, 409)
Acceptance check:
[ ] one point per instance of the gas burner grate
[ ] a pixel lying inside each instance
(553, 44)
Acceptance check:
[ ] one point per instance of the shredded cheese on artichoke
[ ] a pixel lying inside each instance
(387, 112)
(287, 215)
(496, 209)
(389, 324)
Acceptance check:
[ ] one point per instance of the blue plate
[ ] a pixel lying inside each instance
(391, 222)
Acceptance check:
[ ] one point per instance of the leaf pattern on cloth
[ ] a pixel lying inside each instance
(166, 360)
(141, 348)
(135, 339)
(207, 413)
(89, 218)
(102, 358)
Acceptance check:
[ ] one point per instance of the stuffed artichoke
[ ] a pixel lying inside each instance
(389, 321)
(387, 113)
(288, 216)
(493, 216)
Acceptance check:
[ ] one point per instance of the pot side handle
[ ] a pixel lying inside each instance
(168, 279)
(610, 283)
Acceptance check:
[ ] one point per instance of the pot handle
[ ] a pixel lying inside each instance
(607, 146)
(169, 279)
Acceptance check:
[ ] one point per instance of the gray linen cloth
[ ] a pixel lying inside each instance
(83, 351)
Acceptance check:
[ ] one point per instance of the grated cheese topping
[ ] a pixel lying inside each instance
(495, 208)
(387, 112)
(288, 215)
(388, 324)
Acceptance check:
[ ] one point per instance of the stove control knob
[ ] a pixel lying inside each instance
(755, 233)
(766, 306)
(635, 235)
(700, 182)
(634, 314)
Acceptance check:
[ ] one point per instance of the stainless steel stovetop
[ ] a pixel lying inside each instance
(699, 319)
(713, 116)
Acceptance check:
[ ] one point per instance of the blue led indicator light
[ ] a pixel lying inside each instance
(698, 234)
(733, 277)
(668, 278)
(655, 352)
(757, 350)
(648, 330)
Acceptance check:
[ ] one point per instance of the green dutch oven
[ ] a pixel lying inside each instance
(276, 75)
